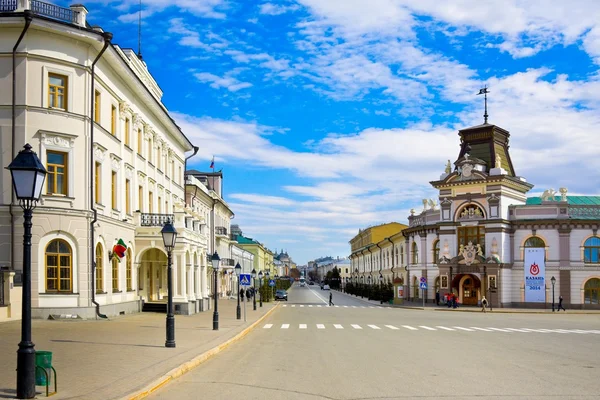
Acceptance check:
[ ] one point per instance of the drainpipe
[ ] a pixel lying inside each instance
(196, 148)
(28, 19)
(393, 255)
(107, 38)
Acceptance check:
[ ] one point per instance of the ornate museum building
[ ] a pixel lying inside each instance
(479, 239)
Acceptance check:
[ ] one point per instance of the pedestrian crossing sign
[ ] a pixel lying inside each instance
(423, 285)
(245, 279)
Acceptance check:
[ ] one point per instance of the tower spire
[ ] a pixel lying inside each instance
(484, 92)
(139, 54)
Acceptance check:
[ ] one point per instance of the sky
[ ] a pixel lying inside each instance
(327, 116)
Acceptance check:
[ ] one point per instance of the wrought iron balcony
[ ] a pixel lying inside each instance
(227, 262)
(53, 11)
(221, 230)
(155, 219)
(8, 5)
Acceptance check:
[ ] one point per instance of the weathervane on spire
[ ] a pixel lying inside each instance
(139, 54)
(484, 92)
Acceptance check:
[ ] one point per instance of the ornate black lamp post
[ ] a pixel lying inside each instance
(238, 272)
(28, 175)
(254, 294)
(169, 235)
(215, 259)
(553, 280)
(380, 288)
(260, 276)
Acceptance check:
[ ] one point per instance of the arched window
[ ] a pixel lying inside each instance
(436, 251)
(415, 287)
(128, 270)
(59, 267)
(591, 291)
(591, 250)
(99, 269)
(115, 274)
(534, 241)
(415, 253)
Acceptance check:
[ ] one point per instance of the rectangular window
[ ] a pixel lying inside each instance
(97, 183)
(166, 206)
(97, 107)
(173, 169)
(128, 271)
(140, 142)
(180, 177)
(150, 205)
(158, 157)
(115, 274)
(159, 205)
(57, 173)
(126, 133)
(140, 198)
(57, 91)
(114, 190)
(127, 193)
(113, 120)
(149, 155)
(474, 234)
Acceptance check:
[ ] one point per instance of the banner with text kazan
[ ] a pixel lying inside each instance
(535, 275)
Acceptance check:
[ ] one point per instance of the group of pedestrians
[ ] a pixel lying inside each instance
(250, 292)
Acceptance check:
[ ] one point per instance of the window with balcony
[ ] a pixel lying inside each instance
(150, 203)
(114, 190)
(113, 120)
(57, 173)
(97, 107)
(126, 133)
(57, 91)
(98, 183)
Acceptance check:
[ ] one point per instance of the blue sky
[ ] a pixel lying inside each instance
(327, 116)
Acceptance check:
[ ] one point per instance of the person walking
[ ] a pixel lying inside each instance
(330, 298)
(484, 304)
(437, 298)
(560, 299)
(242, 294)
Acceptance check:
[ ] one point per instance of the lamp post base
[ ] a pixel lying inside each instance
(215, 321)
(239, 312)
(170, 342)
(26, 371)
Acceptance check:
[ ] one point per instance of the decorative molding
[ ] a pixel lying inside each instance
(99, 153)
(58, 141)
(115, 162)
(128, 171)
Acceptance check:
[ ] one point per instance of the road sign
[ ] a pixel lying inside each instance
(423, 285)
(245, 280)
(271, 282)
(423, 279)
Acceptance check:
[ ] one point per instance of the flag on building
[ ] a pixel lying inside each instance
(212, 163)
(120, 248)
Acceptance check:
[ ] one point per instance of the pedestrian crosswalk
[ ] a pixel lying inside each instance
(328, 306)
(425, 328)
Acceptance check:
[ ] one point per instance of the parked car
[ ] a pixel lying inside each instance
(281, 295)
(325, 287)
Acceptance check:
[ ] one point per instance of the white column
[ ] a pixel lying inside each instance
(183, 271)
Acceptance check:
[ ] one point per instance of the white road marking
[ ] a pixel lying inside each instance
(285, 305)
(480, 329)
(285, 326)
(428, 328)
(354, 307)
(356, 326)
(517, 330)
(373, 327)
(499, 330)
(320, 326)
(338, 326)
(535, 330)
(334, 306)
(267, 326)
(445, 328)
(310, 305)
(372, 307)
(392, 327)
(318, 296)
(319, 306)
(409, 327)
(301, 305)
(302, 326)
(293, 305)
(463, 329)
(345, 306)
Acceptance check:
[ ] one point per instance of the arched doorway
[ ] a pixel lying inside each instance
(152, 278)
(468, 287)
(591, 291)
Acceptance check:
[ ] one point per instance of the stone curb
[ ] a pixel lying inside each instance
(193, 363)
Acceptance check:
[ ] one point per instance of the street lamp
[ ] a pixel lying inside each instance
(553, 280)
(260, 276)
(215, 259)
(238, 272)
(28, 175)
(254, 294)
(169, 235)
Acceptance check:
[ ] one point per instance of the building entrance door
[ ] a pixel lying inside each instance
(469, 292)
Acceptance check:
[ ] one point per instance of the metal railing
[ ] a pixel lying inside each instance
(221, 230)
(584, 212)
(155, 219)
(8, 5)
(227, 262)
(53, 11)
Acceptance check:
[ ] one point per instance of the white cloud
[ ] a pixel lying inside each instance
(201, 8)
(275, 9)
(217, 82)
(190, 38)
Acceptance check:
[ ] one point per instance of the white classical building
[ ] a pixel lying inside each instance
(115, 159)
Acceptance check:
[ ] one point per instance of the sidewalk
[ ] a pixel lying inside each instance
(117, 358)
(433, 307)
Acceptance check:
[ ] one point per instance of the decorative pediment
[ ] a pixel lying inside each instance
(115, 162)
(99, 153)
(141, 176)
(125, 110)
(471, 212)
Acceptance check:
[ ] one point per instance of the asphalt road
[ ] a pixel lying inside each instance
(359, 351)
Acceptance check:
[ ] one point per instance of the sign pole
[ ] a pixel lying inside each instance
(423, 299)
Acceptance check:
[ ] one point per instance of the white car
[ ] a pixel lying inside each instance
(326, 287)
